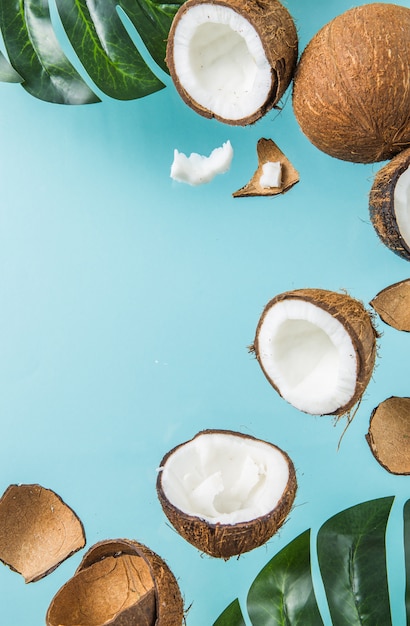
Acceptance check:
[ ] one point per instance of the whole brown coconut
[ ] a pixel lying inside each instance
(389, 204)
(230, 59)
(226, 493)
(119, 582)
(351, 92)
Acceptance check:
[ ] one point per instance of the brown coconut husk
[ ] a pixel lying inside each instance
(119, 582)
(393, 305)
(38, 531)
(381, 204)
(277, 32)
(268, 151)
(351, 93)
(357, 321)
(227, 540)
(389, 435)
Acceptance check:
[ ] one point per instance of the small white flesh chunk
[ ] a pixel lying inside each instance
(197, 169)
(271, 175)
(308, 355)
(224, 478)
(402, 205)
(220, 61)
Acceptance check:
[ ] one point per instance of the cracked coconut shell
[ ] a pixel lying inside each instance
(389, 435)
(317, 349)
(119, 582)
(215, 535)
(38, 531)
(388, 215)
(393, 305)
(230, 59)
(351, 90)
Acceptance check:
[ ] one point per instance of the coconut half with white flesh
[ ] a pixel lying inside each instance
(317, 348)
(232, 60)
(389, 204)
(225, 492)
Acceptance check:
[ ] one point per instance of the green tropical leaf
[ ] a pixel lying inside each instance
(407, 557)
(282, 593)
(36, 55)
(352, 560)
(7, 72)
(232, 616)
(351, 551)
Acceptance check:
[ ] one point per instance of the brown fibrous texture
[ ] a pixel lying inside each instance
(381, 204)
(38, 530)
(351, 91)
(389, 435)
(356, 320)
(227, 540)
(277, 32)
(393, 305)
(268, 151)
(119, 582)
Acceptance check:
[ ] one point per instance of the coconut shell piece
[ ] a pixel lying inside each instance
(221, 540)
(291, 342)
(389, 434)
(268, 151)
(119, 582)
(393, 305)
(382, 207)
(38, 531)
(351, 92)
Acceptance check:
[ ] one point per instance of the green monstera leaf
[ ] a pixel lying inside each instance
(100, 39)
(351, 553)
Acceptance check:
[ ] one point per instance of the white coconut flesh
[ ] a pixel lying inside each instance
(308, 355)
(226, 479)
(402, 205)
(220, 61)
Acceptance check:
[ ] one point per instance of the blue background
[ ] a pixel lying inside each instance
(127, 302)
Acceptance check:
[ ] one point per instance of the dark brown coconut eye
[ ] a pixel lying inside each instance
(118, 583)
(351, 95)
(232, 60)
(317, 349)
(225, 492)
(389, 204)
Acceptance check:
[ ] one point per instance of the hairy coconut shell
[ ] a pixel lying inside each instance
(38, 531)
(393, 305)
(119, 582)
(268, 151)
(389, 434)
(227, 540)
(278, 35)
(381, 204)
(351, 91)
(356, 320)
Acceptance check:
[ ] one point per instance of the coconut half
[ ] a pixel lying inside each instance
(389, 435)
(232, 60)
(226, 493)
(393, 305)
(389, 204)
(351, 93)
(119, 582)
(38, 531)
(317, 348)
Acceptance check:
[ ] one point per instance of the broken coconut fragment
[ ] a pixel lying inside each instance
(393, 305)
(38, 531)
(317, 348)
(389, 434)
(119, 582)
(269, 153)
(197, 169)
(230, 59)
(226, 493)
(389, 204)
